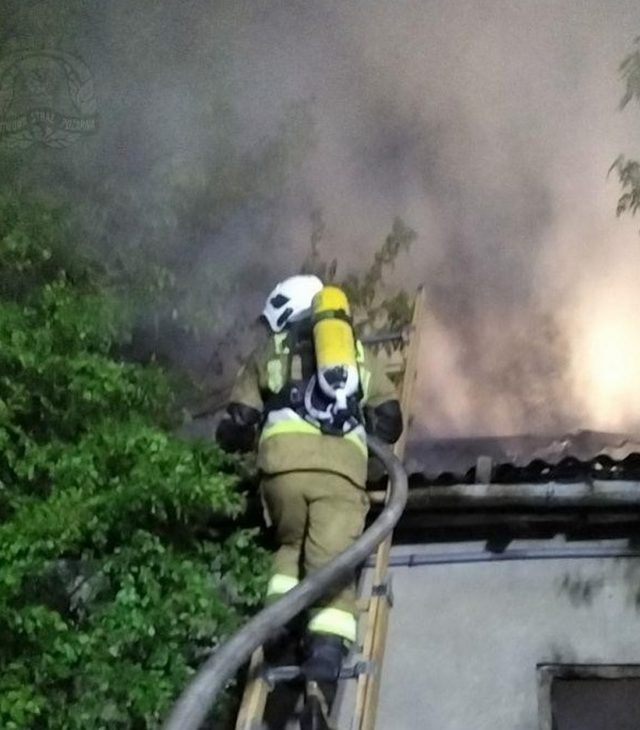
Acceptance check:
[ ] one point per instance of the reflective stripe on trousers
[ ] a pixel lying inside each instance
(334, 621)
(324, 620)
(279, 584)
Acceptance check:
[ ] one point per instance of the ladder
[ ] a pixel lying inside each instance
(374, 611)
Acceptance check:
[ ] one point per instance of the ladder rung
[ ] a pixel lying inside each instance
(289, 673)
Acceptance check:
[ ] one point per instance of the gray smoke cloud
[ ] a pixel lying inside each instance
(487, 125)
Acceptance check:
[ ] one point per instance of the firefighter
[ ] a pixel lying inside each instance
(312, 455)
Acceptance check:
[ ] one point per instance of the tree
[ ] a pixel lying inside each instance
(629, 170)
(374, 308)
(121, 559)
(161, 189)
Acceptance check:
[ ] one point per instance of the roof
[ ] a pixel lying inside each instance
(577, 456)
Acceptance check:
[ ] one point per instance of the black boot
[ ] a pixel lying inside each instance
(321, 670)
(324, 656)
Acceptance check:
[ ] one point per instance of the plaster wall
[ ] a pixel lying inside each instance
(465, 639)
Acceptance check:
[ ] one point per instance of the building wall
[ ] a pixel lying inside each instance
(465, 639)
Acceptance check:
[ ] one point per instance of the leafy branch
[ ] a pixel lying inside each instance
(628, 171)
(373, 308)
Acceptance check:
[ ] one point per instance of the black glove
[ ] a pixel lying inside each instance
(237, 430)
(384, 421)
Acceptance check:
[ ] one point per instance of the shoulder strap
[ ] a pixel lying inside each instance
(280, 345)
(300, 344)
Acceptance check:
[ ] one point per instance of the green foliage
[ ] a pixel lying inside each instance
(29, 234)
(120, 565)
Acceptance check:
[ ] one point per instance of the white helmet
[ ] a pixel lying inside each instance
(290, 301)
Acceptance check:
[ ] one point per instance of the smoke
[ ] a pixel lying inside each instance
(487, 126)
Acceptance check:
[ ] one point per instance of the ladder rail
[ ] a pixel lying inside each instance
(193, 705)
(375, 639)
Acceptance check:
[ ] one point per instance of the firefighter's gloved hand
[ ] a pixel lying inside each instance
(237, 430)
(233, 438)
(384, 421)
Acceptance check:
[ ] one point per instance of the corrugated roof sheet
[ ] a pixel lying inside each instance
(525, 458)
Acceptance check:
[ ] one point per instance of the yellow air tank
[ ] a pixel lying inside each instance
(335, 346)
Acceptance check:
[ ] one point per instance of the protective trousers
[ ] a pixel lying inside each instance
(316, 516)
